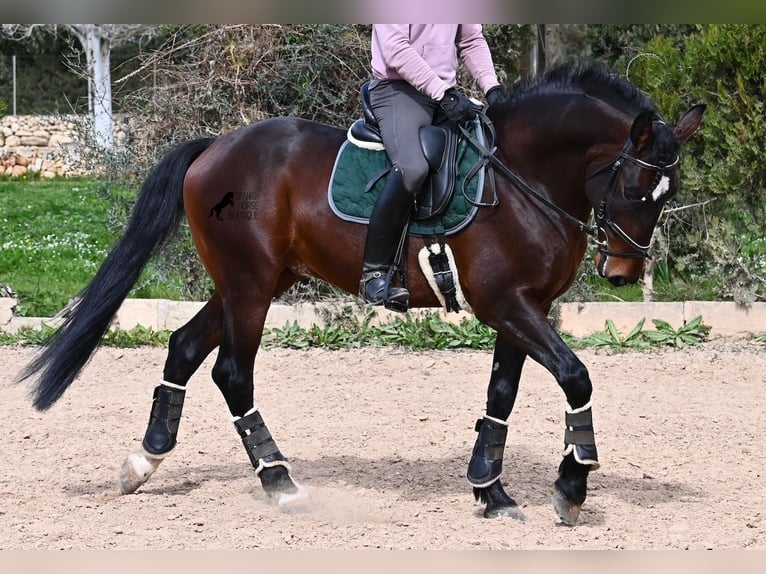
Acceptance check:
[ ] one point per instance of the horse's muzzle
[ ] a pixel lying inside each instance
(620, 280)
(617, 270)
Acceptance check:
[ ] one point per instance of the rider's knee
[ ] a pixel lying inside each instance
(414, 173)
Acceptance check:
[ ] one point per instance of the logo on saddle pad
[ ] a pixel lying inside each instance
(445, 205)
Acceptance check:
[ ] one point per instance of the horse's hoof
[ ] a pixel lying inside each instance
(136, 470)
(292, 500)
(506, 512)
(567, 511)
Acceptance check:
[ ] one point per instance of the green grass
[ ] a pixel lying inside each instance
(55, 233)
(54, 236)
(676, 289)
(346, 331)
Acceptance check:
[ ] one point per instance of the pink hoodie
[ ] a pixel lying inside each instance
(426, 55)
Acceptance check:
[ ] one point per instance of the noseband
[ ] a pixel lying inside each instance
(603, 219)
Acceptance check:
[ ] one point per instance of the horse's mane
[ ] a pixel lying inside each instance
(593, 79)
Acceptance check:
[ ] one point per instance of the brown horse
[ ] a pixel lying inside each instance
(578, 141)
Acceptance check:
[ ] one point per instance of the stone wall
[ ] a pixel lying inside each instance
(44, 145)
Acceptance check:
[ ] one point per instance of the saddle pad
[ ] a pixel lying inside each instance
(355, 167)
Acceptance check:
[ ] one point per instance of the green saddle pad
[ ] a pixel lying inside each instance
(356, 167)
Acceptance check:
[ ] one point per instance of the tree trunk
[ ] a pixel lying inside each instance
(648, 288)
(97, 53)
(533, 60)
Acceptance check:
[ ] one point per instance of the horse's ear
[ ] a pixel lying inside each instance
(641, 130)
(689, 123)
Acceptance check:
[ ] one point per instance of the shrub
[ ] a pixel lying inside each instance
(723, 166)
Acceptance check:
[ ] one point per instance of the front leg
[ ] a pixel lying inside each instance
(526, 329)
(580, 457)
(486, 463)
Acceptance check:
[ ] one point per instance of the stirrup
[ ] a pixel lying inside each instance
(375, 288)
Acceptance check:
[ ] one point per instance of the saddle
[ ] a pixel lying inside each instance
(439, 144)
(357, 178)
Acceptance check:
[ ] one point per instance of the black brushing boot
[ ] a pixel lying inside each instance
(389, 217)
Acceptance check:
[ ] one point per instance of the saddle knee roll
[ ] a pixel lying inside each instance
(486, 463)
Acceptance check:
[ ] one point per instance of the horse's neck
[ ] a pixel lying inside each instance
(552, 142)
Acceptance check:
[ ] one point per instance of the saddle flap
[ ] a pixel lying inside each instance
(433, 142)
(439, 145)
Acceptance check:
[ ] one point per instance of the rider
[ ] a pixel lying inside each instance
(415, 73)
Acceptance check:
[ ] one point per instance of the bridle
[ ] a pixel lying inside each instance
(602, 218)
(601, 215)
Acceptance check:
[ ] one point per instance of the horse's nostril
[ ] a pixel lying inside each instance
(619, 280)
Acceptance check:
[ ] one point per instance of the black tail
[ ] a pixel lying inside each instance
(155, 218)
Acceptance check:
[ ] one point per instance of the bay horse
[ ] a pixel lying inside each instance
(578, 142)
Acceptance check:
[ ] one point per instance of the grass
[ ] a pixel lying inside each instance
(675, 289)
(54, 235)
(346, 331)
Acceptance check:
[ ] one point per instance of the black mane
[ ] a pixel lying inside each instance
(593, 79)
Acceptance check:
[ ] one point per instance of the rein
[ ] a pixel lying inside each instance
(601, 219)
(488, 156)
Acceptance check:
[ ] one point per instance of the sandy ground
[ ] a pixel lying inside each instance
(681, 441)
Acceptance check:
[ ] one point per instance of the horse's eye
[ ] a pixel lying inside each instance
(633, 192)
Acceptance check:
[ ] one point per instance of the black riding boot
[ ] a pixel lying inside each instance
(389, 216)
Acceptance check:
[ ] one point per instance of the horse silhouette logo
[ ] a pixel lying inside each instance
(227, 200)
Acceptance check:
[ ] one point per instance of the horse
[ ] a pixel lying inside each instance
(578, 144)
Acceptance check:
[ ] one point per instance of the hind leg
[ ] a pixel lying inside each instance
(233, 374)
(486, 463)
(187, 348)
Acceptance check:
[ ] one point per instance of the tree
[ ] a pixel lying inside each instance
(722, 65)
(96, 41)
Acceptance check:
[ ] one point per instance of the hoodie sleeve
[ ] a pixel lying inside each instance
(396, 54)
(473, 49)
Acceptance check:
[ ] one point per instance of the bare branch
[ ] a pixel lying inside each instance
(690, 206)
(25, 31)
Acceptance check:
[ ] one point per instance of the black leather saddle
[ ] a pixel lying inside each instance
(439, 145)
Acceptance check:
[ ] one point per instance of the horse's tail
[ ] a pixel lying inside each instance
(155, 218)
